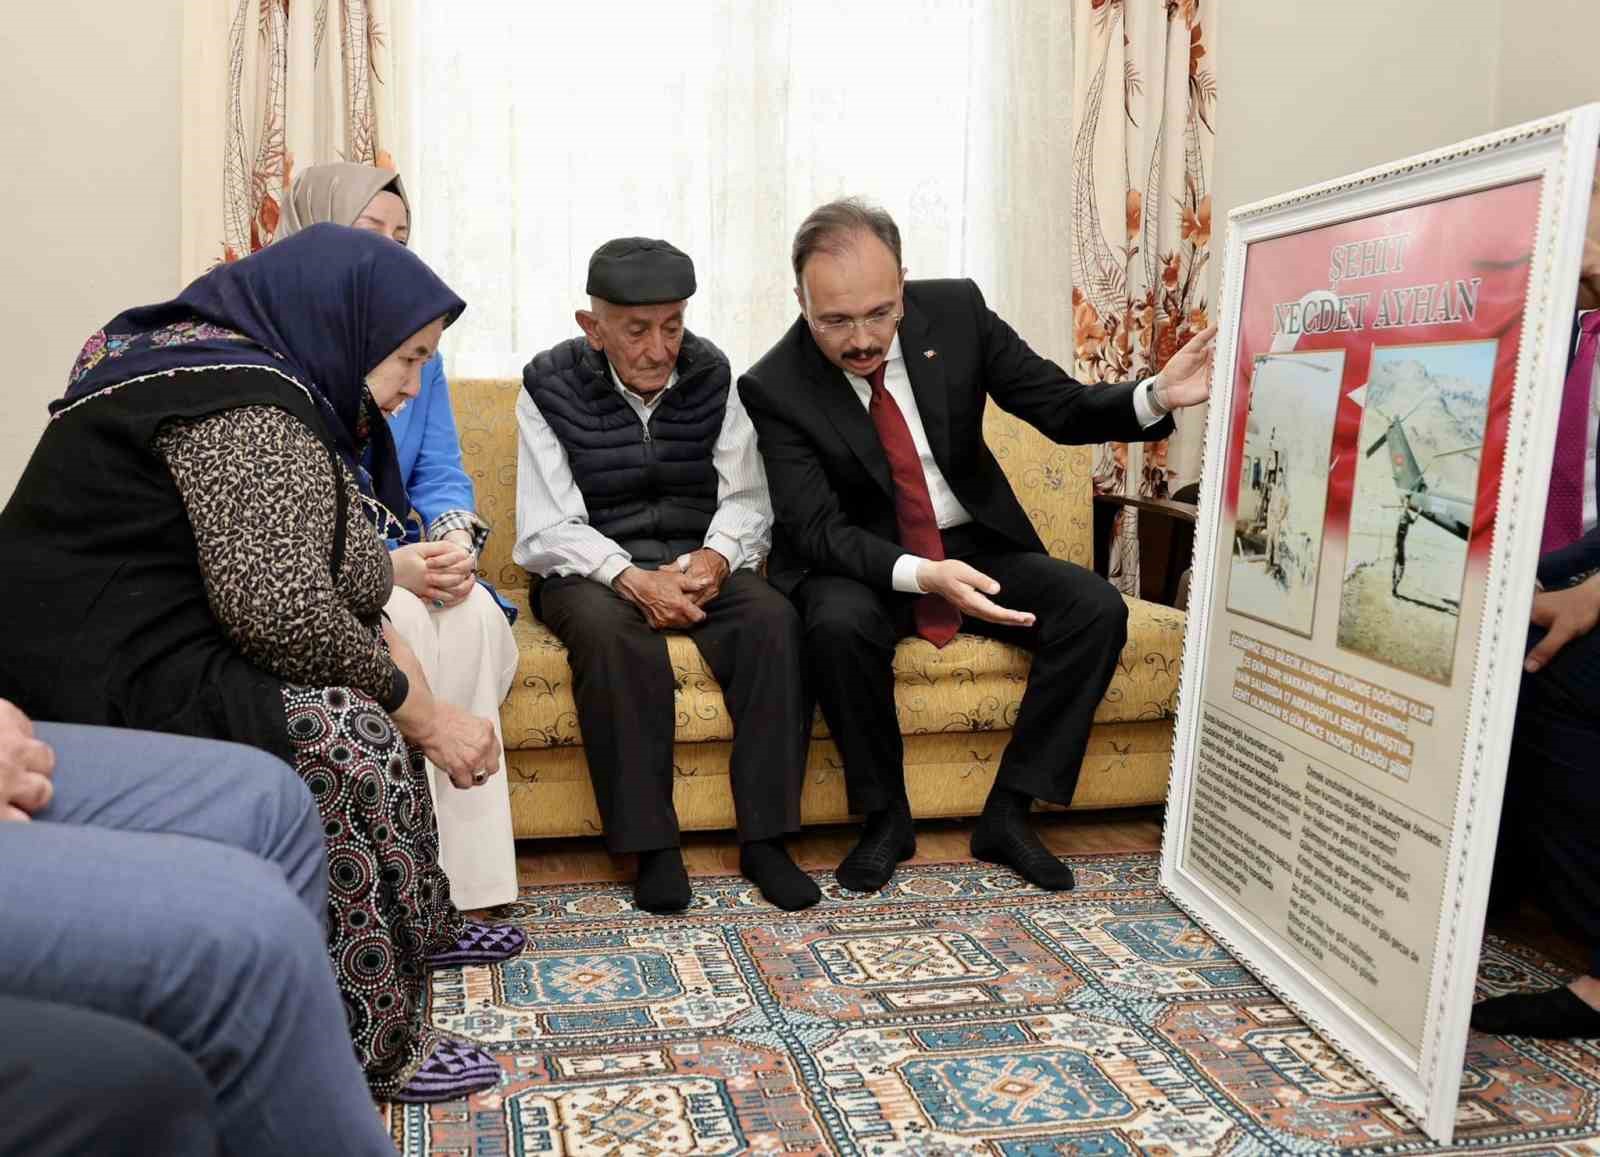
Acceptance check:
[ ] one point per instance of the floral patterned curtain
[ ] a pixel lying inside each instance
(1143, 131)
(269, 85)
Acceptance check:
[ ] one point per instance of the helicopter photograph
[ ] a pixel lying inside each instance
(1283, 487)
(1424, 410)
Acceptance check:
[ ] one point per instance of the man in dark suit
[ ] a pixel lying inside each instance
(1550, 825)
(893, 519)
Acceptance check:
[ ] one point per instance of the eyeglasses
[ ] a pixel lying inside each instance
(878, 319)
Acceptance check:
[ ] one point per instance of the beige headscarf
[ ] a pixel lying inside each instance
(336, 192)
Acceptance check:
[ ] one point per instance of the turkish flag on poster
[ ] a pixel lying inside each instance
(1450, 273)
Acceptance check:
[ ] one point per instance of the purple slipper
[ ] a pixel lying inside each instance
(481, 944)
(453, 1069)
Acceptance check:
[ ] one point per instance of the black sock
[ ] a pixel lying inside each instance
(1003, 836)
(663, 883)
(887, 839)
(767, 865)
(1004, 802)
(1555, 1013)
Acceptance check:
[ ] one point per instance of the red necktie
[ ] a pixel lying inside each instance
(1563, 511)
(937, 620)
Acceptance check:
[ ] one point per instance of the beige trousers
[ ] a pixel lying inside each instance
(470, 658)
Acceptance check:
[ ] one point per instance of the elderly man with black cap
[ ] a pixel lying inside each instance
(642, 506)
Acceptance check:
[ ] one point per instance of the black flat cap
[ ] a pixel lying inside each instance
(640, 271)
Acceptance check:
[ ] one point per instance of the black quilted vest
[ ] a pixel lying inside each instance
(652, 489)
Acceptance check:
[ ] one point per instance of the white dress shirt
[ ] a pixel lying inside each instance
(553, 532)
(947, 508)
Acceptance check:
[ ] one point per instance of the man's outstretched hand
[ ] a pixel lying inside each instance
(1186, 378)
(968, 590)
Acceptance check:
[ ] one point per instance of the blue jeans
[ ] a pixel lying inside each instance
(181, 884)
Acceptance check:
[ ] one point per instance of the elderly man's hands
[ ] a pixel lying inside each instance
(26, 765)
(707, 565)
(666, 596)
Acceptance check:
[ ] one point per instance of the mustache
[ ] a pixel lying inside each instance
(865, 352)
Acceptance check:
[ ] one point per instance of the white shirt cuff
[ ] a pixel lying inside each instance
(606, 573)
(905, 575)
(1145, 407)
(727, 546)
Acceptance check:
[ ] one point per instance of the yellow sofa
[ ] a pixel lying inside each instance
(956, 705)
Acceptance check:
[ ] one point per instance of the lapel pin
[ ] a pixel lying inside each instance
(930, 353)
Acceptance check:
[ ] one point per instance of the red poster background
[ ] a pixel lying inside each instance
(1487, 234)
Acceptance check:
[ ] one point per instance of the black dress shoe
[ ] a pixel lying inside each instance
(1557, 1013)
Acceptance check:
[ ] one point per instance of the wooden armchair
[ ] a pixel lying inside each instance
(1166, 542)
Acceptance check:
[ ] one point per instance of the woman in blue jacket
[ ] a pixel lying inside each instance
(455, 624)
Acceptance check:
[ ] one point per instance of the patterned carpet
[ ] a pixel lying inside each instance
(960, 1011)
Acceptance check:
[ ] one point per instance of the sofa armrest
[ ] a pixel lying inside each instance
(1166, 543)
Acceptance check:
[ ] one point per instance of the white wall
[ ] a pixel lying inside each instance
(1310, 91)
(89, 128)
(1549, 58)
(89, 200)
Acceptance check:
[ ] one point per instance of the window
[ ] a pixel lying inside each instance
(542, 130)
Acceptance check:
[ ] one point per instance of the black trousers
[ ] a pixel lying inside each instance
(623, 683)
(74, 1081)
(1080, 627)
(1550, 823)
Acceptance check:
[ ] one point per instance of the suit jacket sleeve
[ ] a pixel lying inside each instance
(805, 503)
(1045, 396)
(1560, 567)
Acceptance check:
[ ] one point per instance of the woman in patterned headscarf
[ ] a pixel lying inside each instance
(454, 624)
(199, 559)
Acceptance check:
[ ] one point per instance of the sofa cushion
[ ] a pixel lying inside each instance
(947, 774)
(486, 420)
(1052, 482)
(973, 684)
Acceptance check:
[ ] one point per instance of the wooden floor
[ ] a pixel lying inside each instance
(820, 849)
(1533, 927)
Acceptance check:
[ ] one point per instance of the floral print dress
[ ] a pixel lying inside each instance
(259, 489)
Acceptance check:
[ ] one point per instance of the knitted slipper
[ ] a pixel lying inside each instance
(453, 1069)
(481, 944)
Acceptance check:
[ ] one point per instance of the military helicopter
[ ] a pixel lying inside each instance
(1443, 510)
(1417, 499)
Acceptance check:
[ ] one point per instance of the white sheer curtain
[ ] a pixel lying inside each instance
(537, 131)
(270, 89)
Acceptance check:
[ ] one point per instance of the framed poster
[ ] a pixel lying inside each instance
(1388, 377)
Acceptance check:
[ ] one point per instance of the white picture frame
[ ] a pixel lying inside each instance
(1422, 1079)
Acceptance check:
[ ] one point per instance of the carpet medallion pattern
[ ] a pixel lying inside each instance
(959, 1011)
